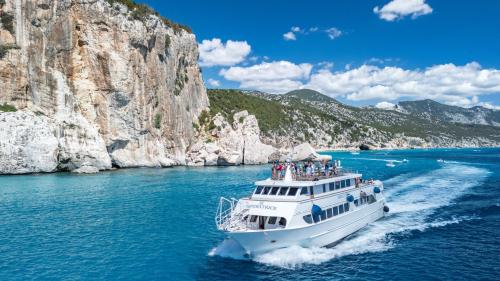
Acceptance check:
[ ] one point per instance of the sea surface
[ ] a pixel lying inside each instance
(158, 224)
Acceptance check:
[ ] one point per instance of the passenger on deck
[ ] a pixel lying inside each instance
(281, 168)
(308, 170)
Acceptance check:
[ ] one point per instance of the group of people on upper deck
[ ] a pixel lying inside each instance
(307, 169)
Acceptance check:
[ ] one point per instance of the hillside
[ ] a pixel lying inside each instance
(310, 116)
(309, 95)
(436, 112)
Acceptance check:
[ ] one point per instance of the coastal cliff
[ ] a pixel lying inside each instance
(223, 143)
(94, 83)
(88, 85)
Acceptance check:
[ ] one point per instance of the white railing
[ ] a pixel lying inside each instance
(228, 217)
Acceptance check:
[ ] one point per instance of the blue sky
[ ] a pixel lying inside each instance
(351, 50)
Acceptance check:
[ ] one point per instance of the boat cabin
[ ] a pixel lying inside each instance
(299, 190)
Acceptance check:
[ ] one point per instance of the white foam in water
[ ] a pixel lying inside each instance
(411, 199)
(228, 249)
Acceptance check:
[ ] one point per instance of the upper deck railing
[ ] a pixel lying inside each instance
(308, 172)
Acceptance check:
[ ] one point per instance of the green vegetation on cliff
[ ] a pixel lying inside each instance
(307, 115)
(7, 108)
(276, 118)
(270, 114)
(140, 11)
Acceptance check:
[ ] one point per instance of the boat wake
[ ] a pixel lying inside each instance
(412, 200)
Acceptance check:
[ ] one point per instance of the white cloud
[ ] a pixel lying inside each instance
(456, 85)
(295, 30)
(213, 82)
(489, 105)
(333, 33)
(398, 9)
(385, 105)
(272, 86)
(460, 85)
(273, 77)
(289, 36)
(215, 52)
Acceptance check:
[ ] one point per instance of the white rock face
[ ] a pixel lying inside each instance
(86, 170)
(110, 89)
(31, 143)
(27, 144)
(231, 144)
(302, 152)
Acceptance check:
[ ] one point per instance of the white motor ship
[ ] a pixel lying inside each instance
(314, 209)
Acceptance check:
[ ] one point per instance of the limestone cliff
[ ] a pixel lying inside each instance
(223, 143)
(95, 84)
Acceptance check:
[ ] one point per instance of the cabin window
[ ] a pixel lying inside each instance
(371, 199)
(308, 219)
(274, 190)
(348, 182)
(266, 190)
(331, 186)
(346, 207)
(283, 191)
(329, 213)
(337, 185)
(272, 220)
(258, 190)
(335, 211)
(293, 191)
(341, 209)
(253, 218)
(342, 184)
(311, 190)
(324, 188)
(318, 189)
(282, 222)
(303, 191)
(323, 215)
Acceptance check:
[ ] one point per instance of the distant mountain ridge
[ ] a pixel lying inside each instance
(438, 112)
(307, 115)
(310, 95)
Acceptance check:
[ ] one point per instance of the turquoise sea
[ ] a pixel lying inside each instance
(158, 224)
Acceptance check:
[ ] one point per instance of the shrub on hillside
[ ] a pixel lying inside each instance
(7, 108)
(8, 22)
(142, 11)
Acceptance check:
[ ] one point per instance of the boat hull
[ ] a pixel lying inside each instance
(320, 234)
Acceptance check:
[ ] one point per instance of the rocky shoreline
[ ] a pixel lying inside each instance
(97, 85)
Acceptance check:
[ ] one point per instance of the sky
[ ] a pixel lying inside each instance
(361, 52)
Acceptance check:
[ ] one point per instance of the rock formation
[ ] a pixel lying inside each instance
(95, 85)
(230, 144)
(303, 151)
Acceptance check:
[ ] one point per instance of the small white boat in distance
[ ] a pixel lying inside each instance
(315, 208)
(390, 163)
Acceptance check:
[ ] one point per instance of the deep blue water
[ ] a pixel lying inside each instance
(158, 224)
